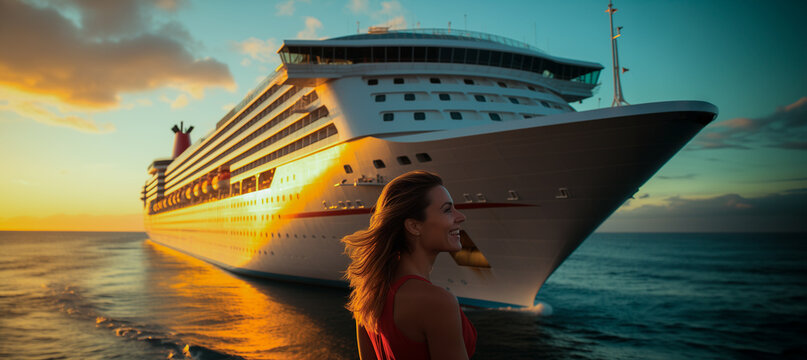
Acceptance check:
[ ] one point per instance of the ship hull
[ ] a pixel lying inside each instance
(532, 191)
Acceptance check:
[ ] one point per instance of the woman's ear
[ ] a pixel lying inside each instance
(412, 227)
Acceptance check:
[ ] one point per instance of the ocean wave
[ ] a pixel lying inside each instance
(69, 299)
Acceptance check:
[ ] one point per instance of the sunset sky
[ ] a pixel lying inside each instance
(90, 89)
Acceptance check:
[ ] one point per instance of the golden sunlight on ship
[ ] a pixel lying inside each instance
(232, 315)
(314, 169)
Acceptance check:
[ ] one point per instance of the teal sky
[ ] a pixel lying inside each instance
(72, 154)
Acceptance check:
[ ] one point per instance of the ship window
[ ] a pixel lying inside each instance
(423, 157)
(380, 98)
(265, 179)
(531, 88)
(468, 82)
(398, 81)
(403, 160)
(544, 103)
(502, 84)
(420, 116)
(528, 116)
(434, 80)
(372, 82)
(480, 98)
(432, 54)
(455, 115)
(389, 116)
(348, 169)
(445, 97)
(409, 97)
(445, 55)
(248, 185)
(495, 117)
(513, 100)
(379, 164)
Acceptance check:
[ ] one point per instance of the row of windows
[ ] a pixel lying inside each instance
(454, 115)
(266, 94)
(271, 107)
(303, 101)
(402, 160)
(379, 54)
(480, 98)
(321, 134)
(466, 81)
(205, 189)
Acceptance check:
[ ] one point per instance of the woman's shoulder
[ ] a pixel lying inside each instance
(426, 298)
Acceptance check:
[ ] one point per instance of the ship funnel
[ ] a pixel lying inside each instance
(182, 139)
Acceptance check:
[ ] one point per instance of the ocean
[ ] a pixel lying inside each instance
(74, 295)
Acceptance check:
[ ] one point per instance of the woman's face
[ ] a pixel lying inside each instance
(440, 231)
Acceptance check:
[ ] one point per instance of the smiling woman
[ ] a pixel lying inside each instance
(413, 221)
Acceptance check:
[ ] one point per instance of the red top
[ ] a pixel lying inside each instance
(391, 343)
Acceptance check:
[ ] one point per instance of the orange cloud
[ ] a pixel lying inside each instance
(91, 65)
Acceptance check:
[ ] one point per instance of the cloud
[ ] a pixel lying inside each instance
(126, 52)
(358, 6)
(285, 8)
(180, 102)
(398, 22)
(783, 211)
(311, 27)
(264, 51)
(786, 128)
(34, 108)
(390, 14)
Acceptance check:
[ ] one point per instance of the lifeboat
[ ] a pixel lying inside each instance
(188, 193)
(196, 190)
(205, 184)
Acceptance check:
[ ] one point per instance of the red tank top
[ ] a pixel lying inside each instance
(390, 343)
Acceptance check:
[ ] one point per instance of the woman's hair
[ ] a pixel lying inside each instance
(374, 252)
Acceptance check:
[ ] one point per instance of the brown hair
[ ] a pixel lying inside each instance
(374, 252)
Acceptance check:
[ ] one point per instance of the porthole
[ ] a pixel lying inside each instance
(495, 116)
(409, 97)
(380, 98)
(403, 160)
(420, 116)
(372, 82)
(502, 84)
(480, 98)
(423, 157)
(444, 97)
(544, 103)
(455, 115)
(398, 81)
(513, 100)
(434, 80)
(468, 81)
(389, 116)
(379, 164)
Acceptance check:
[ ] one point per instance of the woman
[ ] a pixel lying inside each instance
(399, 313)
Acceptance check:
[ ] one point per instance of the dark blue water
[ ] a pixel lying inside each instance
(619, 296)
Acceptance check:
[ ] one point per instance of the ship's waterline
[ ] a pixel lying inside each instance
(302, 160)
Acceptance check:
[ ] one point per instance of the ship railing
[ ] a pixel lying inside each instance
(453, 33)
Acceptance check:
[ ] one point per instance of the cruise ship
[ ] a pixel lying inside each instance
(300, 162)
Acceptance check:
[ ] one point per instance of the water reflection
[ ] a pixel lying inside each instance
(252, 318)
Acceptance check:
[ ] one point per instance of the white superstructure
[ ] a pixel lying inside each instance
(300, 162)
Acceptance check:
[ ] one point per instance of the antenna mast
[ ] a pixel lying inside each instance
(618, 99)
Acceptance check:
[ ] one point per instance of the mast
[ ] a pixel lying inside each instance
(618, 99)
